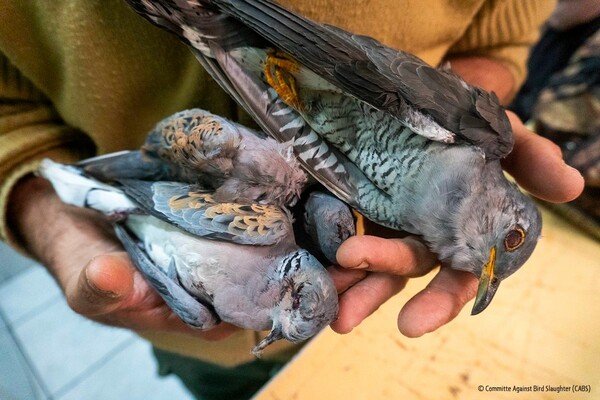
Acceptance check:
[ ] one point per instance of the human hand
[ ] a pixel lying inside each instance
(97, 277)
(373, 269)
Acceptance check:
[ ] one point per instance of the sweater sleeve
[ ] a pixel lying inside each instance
(29, 131)
(504, 30)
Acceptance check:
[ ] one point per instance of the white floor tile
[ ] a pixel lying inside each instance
(64, 346)
(12, 263)
(131, 374)
(16, 379)
(26, 293)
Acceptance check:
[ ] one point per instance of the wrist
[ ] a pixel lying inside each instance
(29, 200)
(62, 237)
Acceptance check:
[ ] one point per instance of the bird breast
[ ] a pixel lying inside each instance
(204, 266)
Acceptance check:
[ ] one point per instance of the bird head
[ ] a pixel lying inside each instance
(308, 302)
(328, 222)
(495, 232)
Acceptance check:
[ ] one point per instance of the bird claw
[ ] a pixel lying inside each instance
(278, 69)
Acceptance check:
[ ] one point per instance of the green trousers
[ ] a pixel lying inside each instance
(209, 381)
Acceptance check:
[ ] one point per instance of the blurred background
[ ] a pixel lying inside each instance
(49, 352)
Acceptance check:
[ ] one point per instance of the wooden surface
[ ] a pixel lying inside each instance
(543, 328)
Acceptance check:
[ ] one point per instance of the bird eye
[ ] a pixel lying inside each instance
(296, 296)
(514, 239)
(296, 302)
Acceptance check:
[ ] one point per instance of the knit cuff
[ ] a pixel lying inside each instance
(504, 31)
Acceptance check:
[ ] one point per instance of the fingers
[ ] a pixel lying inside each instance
(389, 262)
(364, 298)
(102, 285)
(407, 257)
(438, 303)
(538, 166)
(345, 278)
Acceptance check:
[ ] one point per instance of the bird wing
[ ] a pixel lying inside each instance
(188, 308)
(126, 165)
(195, 210)
(196, 141)
(213, 37)
(386, 78)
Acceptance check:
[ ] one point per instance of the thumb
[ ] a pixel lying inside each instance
(102, 286)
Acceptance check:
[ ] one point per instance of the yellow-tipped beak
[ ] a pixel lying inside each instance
(488, 285)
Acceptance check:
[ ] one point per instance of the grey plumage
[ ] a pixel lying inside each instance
(392, 81)
(411, 147)
(269, 284)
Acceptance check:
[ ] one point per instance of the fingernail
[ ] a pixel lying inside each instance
(574, 169)
(96, 289)
(362, 265)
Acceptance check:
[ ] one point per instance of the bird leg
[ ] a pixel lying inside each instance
(359, 222)
(279, 68)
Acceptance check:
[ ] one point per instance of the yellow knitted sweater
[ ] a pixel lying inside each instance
(80, 77)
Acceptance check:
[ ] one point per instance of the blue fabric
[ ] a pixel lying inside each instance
(549, 55)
